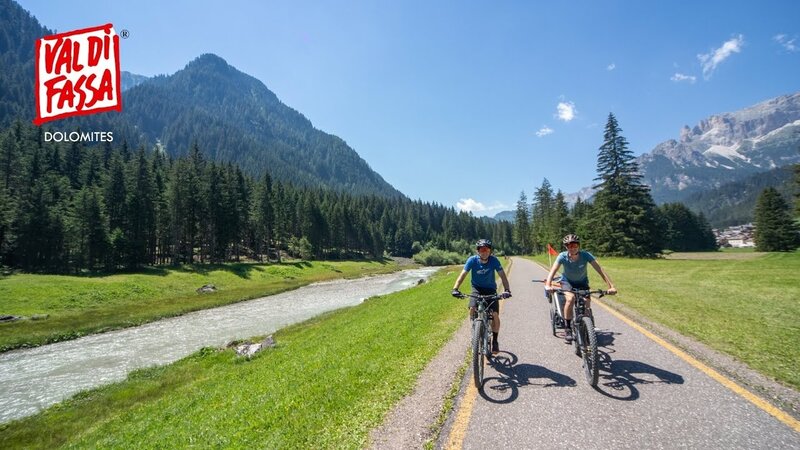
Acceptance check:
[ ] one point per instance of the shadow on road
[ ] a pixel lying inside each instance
(505, 387)
(619, 378)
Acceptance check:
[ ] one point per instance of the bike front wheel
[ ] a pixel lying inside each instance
(589, 350)
(478, 330)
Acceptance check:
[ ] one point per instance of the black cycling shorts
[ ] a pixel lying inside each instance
(493, 306)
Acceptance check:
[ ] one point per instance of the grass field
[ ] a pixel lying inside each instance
(328, 382)
(79, 305)
(744, 304)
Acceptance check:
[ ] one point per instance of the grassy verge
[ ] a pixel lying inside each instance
(328, 382)
(78, 305)
(746, 307)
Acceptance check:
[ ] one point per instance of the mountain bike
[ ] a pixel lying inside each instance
(584, 335)
(481, 344)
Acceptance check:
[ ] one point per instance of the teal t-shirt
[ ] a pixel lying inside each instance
(575, 271)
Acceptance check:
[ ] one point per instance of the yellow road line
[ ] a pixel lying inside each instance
(459, 430)
(749, 396)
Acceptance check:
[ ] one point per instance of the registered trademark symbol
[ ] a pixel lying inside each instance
(125, 34)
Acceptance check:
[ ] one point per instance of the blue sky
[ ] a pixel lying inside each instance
(469, 103)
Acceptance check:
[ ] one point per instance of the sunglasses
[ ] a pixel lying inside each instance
(480, 249)
(573, 244)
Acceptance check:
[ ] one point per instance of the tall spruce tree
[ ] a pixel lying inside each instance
(797, 190)
(624, 221)
(542, 217)
(561, 222)
(775, 229)
(522, 228)
(140, 226)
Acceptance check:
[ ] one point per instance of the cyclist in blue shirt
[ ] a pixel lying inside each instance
(483, 267)
(575, 276)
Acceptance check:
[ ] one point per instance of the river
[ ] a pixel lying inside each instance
(33, 379)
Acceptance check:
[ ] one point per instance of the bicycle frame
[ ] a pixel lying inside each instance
(481, 334)
(584, 336)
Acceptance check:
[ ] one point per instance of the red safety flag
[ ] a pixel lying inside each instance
(551, 251)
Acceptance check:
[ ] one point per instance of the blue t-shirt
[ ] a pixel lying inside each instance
(575, 271)
(483, 274)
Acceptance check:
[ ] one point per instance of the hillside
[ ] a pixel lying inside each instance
(232, 116)
(734, 203)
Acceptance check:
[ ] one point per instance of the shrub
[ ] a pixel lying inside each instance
(436, 257)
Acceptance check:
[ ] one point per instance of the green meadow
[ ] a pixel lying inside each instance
(78, 305)
(326, 384)
(744, 304)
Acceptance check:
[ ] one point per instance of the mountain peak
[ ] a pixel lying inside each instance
(209, 60)
(724, 147)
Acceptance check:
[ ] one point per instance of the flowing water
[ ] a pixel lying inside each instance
(33, 379)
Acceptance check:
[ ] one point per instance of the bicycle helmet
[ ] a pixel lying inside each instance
(570, 238)
(484, 243)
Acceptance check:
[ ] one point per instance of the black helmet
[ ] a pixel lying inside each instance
(484, 243)
(570, 238)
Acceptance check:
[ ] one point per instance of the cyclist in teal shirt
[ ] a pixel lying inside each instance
(575, 275)
(483, 267)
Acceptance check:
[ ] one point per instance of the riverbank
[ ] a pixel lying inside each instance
(57, 308)
(326, 384)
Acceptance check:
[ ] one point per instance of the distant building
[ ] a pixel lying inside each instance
(738, 236)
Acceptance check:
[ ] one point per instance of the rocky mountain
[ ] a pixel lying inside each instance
(725, 148)
(721, 149)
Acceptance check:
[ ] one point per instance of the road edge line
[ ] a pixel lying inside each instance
(762, 404)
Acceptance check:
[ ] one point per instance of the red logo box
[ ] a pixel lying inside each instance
(77, 73)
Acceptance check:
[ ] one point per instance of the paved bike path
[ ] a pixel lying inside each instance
(536, 396)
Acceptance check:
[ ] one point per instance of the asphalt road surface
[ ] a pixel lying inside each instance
(535, 394)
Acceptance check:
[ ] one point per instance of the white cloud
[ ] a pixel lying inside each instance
(478, 208)
(566, 111)
(790, 44)
(544, 131)
(611, 67)
(710, 61)
(678, 77)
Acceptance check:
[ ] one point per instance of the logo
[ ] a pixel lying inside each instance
(77, 73)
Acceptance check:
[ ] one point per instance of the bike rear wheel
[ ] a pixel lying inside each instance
(589, 350)
(478, 330)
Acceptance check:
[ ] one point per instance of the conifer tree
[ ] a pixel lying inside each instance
(775, 229)
(624, 221)
(542, 215)
(561, 220)
(88, 235)
(140, 223)
(522, 228)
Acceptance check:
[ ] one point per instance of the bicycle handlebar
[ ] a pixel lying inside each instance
(600, 292)
(491, 297)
